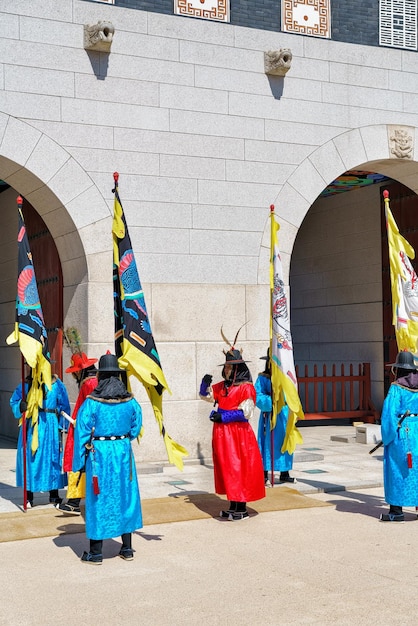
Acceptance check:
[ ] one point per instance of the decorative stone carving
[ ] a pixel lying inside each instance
(401, 142)
(98, 36)
(277, 62)
(307, 17)
(206, 9)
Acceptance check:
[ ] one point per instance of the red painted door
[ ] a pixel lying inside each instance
(49, 279)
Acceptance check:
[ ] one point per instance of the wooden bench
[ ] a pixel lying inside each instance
(337, 395)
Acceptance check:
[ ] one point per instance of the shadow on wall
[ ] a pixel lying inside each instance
(276, 86)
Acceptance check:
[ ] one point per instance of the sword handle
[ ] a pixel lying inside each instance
(377, 446)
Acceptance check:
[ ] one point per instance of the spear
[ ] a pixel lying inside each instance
(25, 492)
(271, 347)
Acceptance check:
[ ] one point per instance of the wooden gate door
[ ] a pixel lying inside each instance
(404, 207)
(49, 280)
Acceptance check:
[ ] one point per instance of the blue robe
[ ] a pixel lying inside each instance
(400, 481)
(44, 467)
(117, 508)
(282, 461)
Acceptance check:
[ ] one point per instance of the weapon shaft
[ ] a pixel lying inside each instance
(67, 417)
(377, 446)
(401, 419)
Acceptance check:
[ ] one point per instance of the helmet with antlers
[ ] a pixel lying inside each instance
(240, 372)
(233, 355)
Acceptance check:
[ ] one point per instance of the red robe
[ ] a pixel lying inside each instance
(237, 461)
(86, 388)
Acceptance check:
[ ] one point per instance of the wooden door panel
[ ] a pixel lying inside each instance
(48, 272)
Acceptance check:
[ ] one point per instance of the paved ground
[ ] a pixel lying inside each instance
(328, 565)
(329, 460)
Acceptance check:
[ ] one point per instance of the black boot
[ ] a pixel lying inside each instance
(267, 482)
(240, 512)
(395, 514)
(95, 556)
(71, 507)
(29, 499)
(232, 508)
(126, 553)
(54, 497)
(285, 478)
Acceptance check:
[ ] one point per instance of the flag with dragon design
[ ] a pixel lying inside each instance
(283, 376)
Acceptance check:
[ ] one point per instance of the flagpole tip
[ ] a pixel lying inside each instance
(116, 176)
(272, 208)
(386, 193)
(19, 200)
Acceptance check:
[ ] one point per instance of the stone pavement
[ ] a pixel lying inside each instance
(329, 460)
(328, 565)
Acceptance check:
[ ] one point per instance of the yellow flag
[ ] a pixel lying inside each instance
(404, 285)
(29, 330)
(283, 375)
(134, 343)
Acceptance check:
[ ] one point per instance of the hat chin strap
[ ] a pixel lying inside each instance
(231, 381)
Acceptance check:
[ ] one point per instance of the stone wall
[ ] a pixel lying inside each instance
(336, 284)
(204, 142)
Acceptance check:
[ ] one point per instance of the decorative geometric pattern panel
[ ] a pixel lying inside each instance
(307, 17)
(207, 9)
(352, 180)
(398, 23)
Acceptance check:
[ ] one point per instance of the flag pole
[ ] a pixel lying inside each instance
(30, 332)
(25, 491)
(118, 334)
(19, 201)
(271, 345)
(134, 343)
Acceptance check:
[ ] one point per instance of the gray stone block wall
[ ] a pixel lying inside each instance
(355, 21)
(156, 6)
(262, 14)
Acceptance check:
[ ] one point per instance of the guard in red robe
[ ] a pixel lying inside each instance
(85, 373)
(238, 466)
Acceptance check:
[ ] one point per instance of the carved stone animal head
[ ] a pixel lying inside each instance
(98, 36)
(277, 62)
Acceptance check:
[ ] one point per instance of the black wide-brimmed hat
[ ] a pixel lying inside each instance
(233, 357)
(404, 360)
(109, 363)
(267, 357)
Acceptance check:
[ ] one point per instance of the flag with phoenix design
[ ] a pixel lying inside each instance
(283, 376)
(134, 343)
(404, 285)
(30, 330)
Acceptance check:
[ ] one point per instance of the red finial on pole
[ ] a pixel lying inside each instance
(386, 193)
(116, 177)
(19, 201)
(272, 208)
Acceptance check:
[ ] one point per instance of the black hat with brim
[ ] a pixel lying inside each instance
(109, 363)
(233, 357)
(404, 360)
(267, 357)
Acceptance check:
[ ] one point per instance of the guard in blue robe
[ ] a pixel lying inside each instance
(282, 461)
(44, 466)
(399, 425)
(107, 421)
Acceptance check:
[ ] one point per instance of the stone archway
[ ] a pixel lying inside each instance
(79, 220)
(336, 292)
(369, 148)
